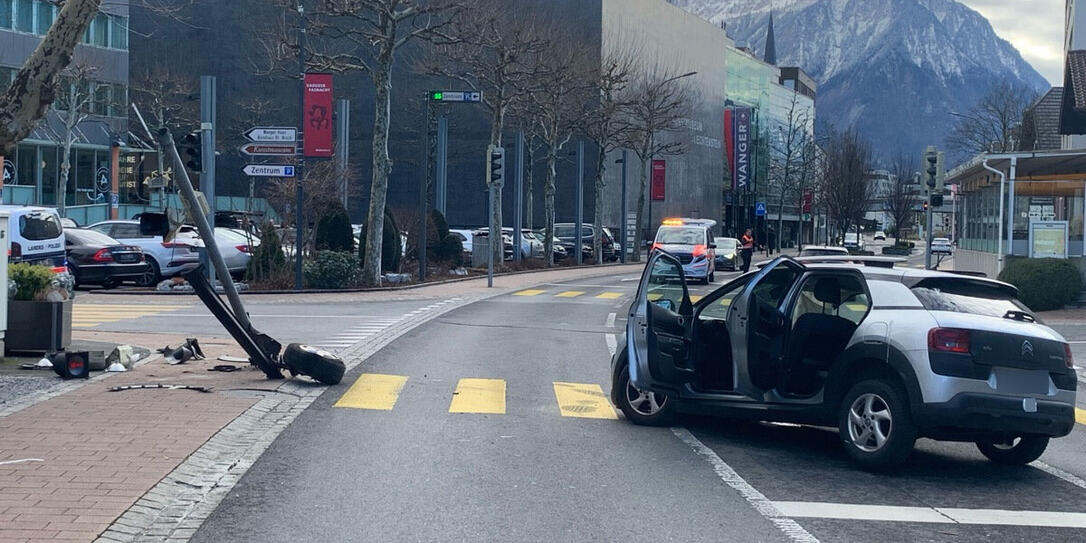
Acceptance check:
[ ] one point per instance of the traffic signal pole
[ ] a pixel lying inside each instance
(929, 233)
(207, 157)
(299, 197)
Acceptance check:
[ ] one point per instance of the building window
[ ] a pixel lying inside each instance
(118, 32)
(6, 14)
(119, 101)
(100, 103)
(100, 31)
(24, 15)
(50, 169)
(25, 159)
(7, 75)
(84, 176)
(45, 16)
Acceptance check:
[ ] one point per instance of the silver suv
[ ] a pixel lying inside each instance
(885, 354)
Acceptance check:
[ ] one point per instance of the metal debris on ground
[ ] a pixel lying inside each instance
(197, 388)
(226, 368)
(189, 350)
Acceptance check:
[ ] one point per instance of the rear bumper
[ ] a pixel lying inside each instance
(95, 274)
(698, 269)
(969, 415)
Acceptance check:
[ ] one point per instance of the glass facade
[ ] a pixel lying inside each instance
(1033, 201)
(6, 14)
(24, 16)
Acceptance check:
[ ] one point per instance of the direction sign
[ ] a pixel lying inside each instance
(759, 209)
(269, 170)
(268, 149)
(266, 134)
(456, 96)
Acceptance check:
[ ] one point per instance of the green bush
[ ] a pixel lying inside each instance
(334, 232)
(391, 251)
(31, 280)
(268, 259)
(1043, 283)
(331, 270)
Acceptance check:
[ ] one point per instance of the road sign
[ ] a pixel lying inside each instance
(759, 209)
(269, 170)
(268, 149)
(266, 134)
(456, 96)
(9, 172)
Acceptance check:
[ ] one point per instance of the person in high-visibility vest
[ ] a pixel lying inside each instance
(746, 249)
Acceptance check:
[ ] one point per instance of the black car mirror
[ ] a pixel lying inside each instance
(154, 224)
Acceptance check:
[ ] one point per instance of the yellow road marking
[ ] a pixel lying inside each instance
(570, 294)
(1080, 416)
(479, 396)
(655, 296)
(529, 293)
(89, 315)
(725, 301)
(610, 295)
(696, 298)
(373, 391)
(856, 307)
(586, 401)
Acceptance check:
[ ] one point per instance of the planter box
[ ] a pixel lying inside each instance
(898, 251)
(39, 326)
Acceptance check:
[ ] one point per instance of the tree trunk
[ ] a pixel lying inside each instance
(639, 223)
(597, 216)
(382, 166)
(780, 222)
(548, 204)
(62, 183)
(34, 88)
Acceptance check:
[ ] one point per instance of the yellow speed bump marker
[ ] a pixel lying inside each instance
(585, 401)
(609, 296)
(529, 292)
(570, 294)
(479, 396)
(1080, 416)
(373, 391)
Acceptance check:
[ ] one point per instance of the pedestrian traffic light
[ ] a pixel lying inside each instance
(193, 150)
(495, 165)
(937, 200)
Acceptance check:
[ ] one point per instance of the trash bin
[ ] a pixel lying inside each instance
(480, 245)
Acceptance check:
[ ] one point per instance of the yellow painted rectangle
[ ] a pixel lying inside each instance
(479, 396)
(569, 294)
(609, 295)
(696, 298)
(586, 401)
(529, 292)
(655, 296)
(373, 391)
(1080, 416)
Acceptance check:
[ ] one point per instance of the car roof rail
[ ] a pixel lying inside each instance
(866, 260)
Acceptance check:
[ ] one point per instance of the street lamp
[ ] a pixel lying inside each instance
(653, 136)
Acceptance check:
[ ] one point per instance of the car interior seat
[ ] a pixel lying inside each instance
(817, 339)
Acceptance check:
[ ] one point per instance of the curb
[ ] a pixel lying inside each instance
(115, 292)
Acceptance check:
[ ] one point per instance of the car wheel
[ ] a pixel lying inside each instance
(643, 408)
(1017, 451)
(316, 363)
(75, 276)
(152, 276)
(109, 284)
(875, 424)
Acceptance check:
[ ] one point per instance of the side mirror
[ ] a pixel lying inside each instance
(712, 246)
(666, 304)
(154, 224)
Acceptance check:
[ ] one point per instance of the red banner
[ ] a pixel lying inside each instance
(729, 144)
(808, 197)
(659, 180)
(317, 128)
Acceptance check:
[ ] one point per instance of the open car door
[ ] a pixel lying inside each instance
(758, 327)
(659, 328)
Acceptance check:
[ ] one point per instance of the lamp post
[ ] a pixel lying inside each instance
(624, 209)
(652, 141)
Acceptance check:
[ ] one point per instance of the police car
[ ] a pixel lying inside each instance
(691, 242)
(36, 235)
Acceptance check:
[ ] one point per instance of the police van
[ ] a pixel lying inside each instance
(691, 241)
(36, 236)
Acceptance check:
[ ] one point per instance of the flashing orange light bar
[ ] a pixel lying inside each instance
(672, 222)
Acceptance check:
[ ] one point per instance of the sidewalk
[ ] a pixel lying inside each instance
(72, 464)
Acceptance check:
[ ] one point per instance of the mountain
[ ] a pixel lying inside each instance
(893, 68)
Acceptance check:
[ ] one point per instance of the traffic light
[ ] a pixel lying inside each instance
(495, 165)
(932, 158)
(193, 150)
(937, 200)
(925, 206)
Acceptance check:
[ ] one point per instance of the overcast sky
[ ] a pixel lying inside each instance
(1035, 27)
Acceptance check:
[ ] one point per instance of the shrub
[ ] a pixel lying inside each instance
(391, 251)
(331, 270)
(1043, 283)
(31, 280)
(334, 232)
(268, 259)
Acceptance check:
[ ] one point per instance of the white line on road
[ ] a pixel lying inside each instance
(612, 343)
(20, 461)
(1057, 472)
(611, 320)
(938, 515)
(756, 499)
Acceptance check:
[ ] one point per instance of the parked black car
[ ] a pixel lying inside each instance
(97, 259)
(566, 232)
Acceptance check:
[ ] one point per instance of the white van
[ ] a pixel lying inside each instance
(36, 236)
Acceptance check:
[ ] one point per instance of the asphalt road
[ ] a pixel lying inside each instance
(407, 450)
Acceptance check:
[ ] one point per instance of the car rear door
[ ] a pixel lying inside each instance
(659, 328)
(753, 317)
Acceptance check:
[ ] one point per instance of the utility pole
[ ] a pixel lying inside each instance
(518, 198)
(343, 134)
(580, 204)
(424, 164)
(207, 158)
(299, 197)
(441, 198)
(623, 235)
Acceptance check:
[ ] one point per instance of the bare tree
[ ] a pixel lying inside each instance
(34, 88)
(495, 51)
(846, 188)
(993, 124)
(366, 35)
(72, 107)
(903, 196)
(604, 123)
(658, 106)
(789, 158)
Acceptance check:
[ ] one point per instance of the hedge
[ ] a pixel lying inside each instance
(1043, 283)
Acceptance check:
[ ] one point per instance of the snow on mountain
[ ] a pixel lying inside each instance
(895, 68)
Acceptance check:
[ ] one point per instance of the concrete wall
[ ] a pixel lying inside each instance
(976, 261)
(678, 42)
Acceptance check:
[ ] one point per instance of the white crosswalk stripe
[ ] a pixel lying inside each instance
(368, 327)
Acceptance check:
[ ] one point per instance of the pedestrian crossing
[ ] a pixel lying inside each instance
(367, 327)
(481, 396)
(562, 293)
(91, 315)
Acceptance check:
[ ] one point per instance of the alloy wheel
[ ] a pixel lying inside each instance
(869, 422)
(646, 403)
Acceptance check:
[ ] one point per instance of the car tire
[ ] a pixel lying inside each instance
(316, 363)
(643, 409)
(152, 276)
(1027, 449)
(875, 410)
(75, 276)
(109, 284)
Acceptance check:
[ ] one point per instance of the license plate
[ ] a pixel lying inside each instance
(127, 258)
(1016, 381)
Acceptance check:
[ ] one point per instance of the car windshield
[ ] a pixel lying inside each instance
(677, 235)
(823, 251)
(566, 231)
(88, 237)
(726, 245)
(964, 296)
(36, 226)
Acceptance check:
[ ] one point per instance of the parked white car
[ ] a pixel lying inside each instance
(167, 259)
(237, 248)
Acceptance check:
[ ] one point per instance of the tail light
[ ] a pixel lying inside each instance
(60, 269)
(16, 250)
(103, 255)
(948, 340)
(245, 249)
(1067, 357)
(700, 250)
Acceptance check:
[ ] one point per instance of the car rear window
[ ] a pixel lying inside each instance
(89, 237)
(38, 226)
(964, 296)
